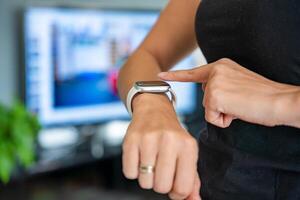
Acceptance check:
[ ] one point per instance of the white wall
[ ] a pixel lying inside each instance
(11, 36)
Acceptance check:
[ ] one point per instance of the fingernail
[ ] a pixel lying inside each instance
(163, 74)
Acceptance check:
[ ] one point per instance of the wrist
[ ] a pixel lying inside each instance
(147, 102)
(287, 106)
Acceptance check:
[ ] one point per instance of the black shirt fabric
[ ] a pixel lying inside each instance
(263, 36)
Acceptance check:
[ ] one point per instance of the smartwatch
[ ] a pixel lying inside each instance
(155, 87)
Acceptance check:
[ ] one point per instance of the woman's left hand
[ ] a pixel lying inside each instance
(234, 92)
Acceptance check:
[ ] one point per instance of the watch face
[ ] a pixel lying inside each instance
(152, 86)
(151, 83)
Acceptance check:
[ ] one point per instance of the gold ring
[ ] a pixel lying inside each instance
(147, 169)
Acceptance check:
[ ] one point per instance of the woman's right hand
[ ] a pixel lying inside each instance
(156, 138)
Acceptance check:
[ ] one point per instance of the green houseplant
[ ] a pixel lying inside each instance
(18, 131)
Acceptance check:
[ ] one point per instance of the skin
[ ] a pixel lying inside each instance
(234, 92)
(155, 136)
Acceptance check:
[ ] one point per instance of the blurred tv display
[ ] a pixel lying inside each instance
(72, 61)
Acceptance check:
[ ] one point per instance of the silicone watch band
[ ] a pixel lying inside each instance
(133, 91)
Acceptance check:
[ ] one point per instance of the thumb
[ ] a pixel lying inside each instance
(199, 74)
(195, 193)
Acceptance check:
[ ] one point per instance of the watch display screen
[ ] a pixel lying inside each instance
(151, 83)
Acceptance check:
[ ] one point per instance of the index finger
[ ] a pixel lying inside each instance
(198, 74)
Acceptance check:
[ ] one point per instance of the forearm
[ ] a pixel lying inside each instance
(161, 49)
(141, 66)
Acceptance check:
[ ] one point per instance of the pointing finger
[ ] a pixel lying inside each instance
(199, 74)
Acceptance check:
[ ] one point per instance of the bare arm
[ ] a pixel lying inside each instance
(155, 136)
(170, 40)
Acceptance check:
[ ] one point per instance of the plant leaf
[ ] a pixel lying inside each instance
(18, 131)
(7, 162)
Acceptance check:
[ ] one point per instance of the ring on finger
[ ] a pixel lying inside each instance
(146, 169)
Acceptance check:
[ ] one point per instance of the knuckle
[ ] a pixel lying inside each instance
(191, 144)
(225, 60)
(225, 126)
(183, 192)
(215, 68)
(219, 69)
(168, 137)
(191, 72)
(148, 137)
(161, 189)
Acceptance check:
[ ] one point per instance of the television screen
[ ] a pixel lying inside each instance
(72, 61)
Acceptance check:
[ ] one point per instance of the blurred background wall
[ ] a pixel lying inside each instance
(11, 41)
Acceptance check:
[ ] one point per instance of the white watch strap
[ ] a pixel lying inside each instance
(173, 97)
(133, 91)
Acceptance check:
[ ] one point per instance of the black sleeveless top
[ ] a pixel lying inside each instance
(264, 36)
